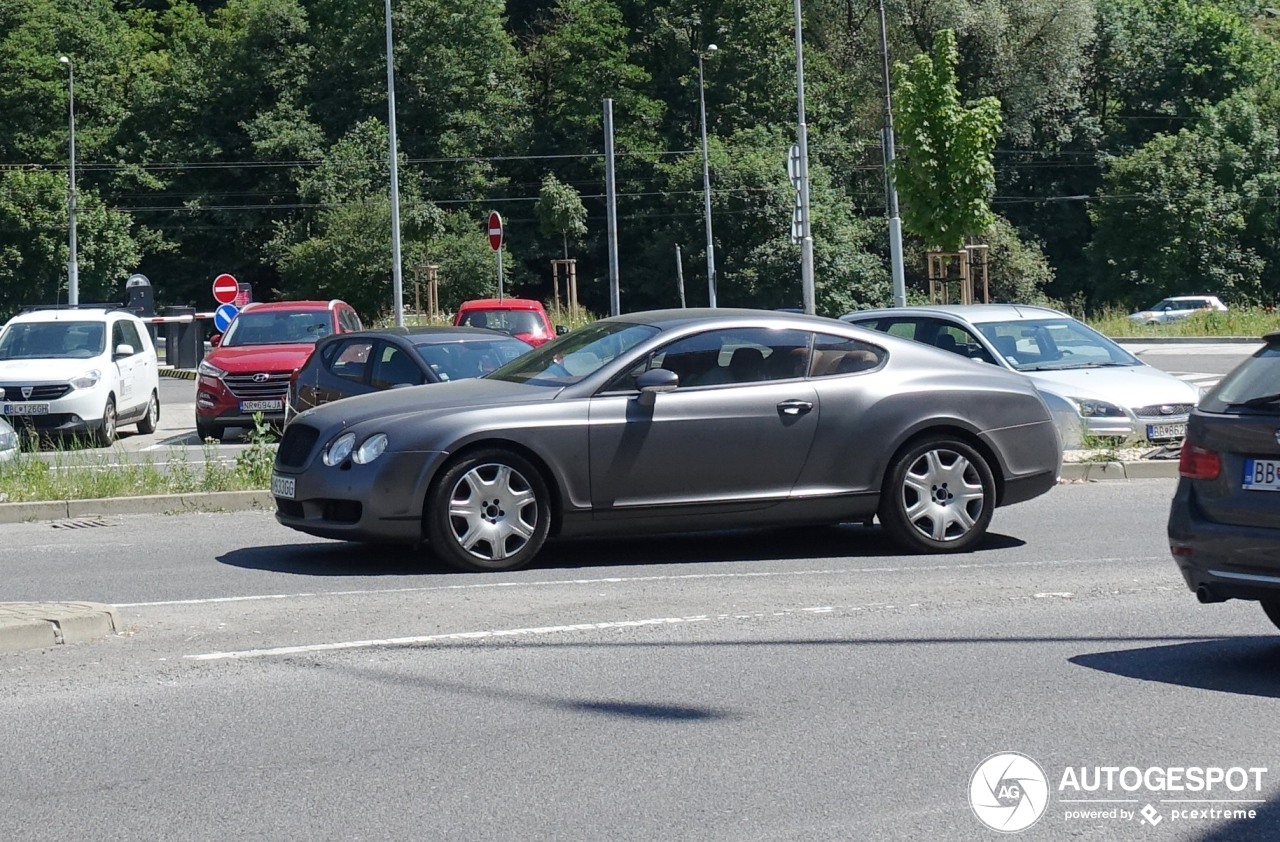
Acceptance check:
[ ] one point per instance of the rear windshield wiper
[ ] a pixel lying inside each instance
(1262, 400)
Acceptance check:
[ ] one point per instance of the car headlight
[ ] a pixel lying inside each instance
(339, 449)
(370, 449)
(210, 370)
(87, 380)
(1090, 408)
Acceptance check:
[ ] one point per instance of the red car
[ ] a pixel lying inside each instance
(249, 369)
(523, 318)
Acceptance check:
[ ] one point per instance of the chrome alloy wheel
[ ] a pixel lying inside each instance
(493, 511)
(942, 495)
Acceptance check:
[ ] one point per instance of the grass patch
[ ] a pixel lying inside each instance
(72, 474)
(1252, 322)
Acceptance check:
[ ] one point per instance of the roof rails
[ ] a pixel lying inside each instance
(111, 305)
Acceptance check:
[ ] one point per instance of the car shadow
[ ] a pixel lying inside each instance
(1248, 666)
(339, 558)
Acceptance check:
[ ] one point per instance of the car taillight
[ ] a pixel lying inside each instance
(1196, 462)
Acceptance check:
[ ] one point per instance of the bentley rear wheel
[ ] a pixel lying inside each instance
(938, 496)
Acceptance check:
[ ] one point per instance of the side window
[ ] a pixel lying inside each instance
(351, 359)
(834, 355)
(117, 336)
(906, 328)
(736, 356)
(130, 336)
(394, 367)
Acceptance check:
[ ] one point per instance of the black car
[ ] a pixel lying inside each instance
(372, 360)
(1224, 524)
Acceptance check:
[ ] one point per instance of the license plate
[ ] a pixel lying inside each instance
(261, 406)
(282, 486)
(25, 408)
(1262, 475)
(1166, 431)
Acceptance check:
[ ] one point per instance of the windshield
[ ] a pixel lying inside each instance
(575, 355)
(1053, 345)
(524, 322)
(1254, 380)
(53, 340)
(473, 358)
(278, 327)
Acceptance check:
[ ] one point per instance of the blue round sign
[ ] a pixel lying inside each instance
(223, 315)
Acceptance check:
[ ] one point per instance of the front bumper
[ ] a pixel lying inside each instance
(1230, 561)
(381, 502)
(78, 411)
(217, 404)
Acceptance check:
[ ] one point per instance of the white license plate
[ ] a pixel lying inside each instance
(1262, 475)
(25, 408)
(261, 406)
(282, 486)
(1166, 431)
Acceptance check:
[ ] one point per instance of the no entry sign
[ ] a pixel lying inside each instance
(225, 289)
(495, 230)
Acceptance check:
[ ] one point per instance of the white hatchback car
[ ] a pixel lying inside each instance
(79, 369)
(1177, 308)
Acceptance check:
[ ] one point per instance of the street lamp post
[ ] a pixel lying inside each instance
(397, 276)
(73, 269)
(706, 183)
(802, 140)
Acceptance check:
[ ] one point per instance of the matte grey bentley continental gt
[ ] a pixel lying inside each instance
(674, 421)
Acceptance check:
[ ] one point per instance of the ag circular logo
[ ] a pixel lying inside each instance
(1008, 792)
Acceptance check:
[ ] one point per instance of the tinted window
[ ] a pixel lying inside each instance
(394, 367)
(1255, 379)
(735, 356)
(474, 358)
(837, 355)
(129, 336)
(350, 359)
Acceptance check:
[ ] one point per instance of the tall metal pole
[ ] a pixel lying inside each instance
(611, 200)
(680, 276)
(802, 139)
(891, 189)
(73, 267)
(397, 277)
(706, 184)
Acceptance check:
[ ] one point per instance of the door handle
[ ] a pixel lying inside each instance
(795, 407)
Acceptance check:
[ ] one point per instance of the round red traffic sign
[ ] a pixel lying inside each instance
(495, 230)
(225, 289)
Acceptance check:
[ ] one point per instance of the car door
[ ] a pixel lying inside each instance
(127, 391)
(733, 436)
(342, 371)
(146, 371)
(394, 366)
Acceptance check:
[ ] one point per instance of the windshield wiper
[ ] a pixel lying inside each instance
(1263, 400)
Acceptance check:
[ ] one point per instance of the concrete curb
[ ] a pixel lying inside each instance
(177, 373)
(1103, 471)
(1187, 340)
(43, 625)
(213, 501)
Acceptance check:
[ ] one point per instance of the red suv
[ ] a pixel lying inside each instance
(249, 369)
(523, 318)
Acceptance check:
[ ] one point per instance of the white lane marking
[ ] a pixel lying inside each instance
(436, 638)
(616, 580)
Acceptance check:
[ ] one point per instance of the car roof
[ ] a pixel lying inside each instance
(501, 304)
(973, 313)
(723, 315)
(292, 305)
(70, 313)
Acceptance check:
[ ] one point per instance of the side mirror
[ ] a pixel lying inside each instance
(561, 330)
(215, 340)
(123, 350)
(655, 381)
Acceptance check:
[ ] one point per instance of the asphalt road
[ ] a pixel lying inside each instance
(783, 685)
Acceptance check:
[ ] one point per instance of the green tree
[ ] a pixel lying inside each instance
(560, 211)
(946, 175)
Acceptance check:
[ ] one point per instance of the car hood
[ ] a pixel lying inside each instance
(1131, 386)
(419, 401)
(45, 371)
(254, 358)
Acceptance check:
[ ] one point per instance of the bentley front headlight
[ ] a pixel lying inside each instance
(370, 449)
(339, 449)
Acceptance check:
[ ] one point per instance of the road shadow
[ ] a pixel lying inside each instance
(340, 558)
(1248, 666)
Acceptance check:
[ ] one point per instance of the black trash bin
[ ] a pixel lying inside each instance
(182, 340)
